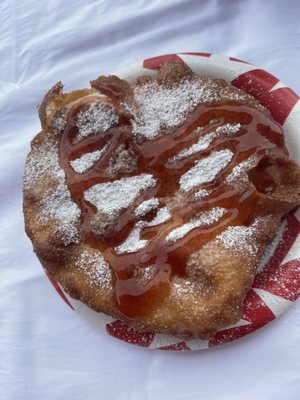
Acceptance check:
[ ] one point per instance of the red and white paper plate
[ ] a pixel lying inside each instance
(277, 282)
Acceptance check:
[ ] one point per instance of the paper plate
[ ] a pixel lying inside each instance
(277, 282)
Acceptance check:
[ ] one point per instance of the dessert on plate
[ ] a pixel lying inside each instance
(154, 200)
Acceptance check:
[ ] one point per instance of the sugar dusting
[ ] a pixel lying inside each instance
(59, 121)
(202, 193)
(145, 274)
(56, 204)
(228, 129)
(203, 219)
(95, 268)
(206, 169)
(147, 206)
(122, 160)
(133, 242)
(163, 107)
(239, 171)
(241, 238)
(113, 197)
(201, 145)
(97, 118)
(205, 141)
(87, 160)
(43, 163)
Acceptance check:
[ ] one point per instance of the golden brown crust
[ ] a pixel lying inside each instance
(218, 275)
(112, 86)
(52, 97)
(173, 72)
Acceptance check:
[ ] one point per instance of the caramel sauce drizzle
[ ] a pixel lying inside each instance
(258, 135)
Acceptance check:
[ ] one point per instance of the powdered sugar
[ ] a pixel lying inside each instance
(59, 121)
(145, 274)
(98, 118)
(113, 197)
(240, 238)
(205, 141)
(206, 169)
(95, 268)
(163, 215)
(228, 129)
(133, 242)
(162, 107)
(241, 169)
(122, 160)
(203, 219)
(202, 193)
(147, 206)
(87, 160)
(42, 163)
(56, 204)
(201, 145)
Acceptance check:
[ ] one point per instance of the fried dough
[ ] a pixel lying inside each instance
(153, 201)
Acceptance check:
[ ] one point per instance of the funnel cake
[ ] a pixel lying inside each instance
(154, 201)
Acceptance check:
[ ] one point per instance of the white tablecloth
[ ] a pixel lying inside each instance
(46, 351)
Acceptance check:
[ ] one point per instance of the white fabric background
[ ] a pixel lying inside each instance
(46, 351)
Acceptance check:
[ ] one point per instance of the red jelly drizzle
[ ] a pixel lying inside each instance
(258, 135)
